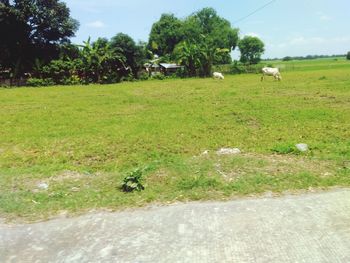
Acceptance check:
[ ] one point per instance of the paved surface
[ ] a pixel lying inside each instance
(305, 228)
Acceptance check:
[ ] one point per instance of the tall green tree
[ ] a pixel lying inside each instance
(348, 55)
(216, 30)
(211, 39)
(33, 29)
(165, 35)
(251, 49)
(133, 53)
(204, 37)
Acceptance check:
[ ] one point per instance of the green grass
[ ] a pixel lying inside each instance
(83, 140)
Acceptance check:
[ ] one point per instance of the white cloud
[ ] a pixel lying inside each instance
(96, 24)
(252, 34)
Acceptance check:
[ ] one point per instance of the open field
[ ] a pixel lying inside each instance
(82, 140)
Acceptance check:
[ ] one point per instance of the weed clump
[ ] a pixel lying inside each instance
(133, 181)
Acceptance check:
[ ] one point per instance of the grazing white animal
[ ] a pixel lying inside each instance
(218, 75)
(271, 72)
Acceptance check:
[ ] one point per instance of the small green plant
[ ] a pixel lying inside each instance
(322, 78)
(133, 181)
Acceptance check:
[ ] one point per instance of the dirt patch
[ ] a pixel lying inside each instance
(69, 175)
(72, 176)
(273, 164)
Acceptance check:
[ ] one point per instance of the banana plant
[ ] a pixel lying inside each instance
(197, 58)
(100, 62)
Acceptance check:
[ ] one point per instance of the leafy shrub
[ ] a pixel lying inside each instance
(133, 181)
(144, 76)
(237, 68)
(158, 75)
(224, 69)
(348, 55)
(36, 82)
(60, 71)
(72, 80)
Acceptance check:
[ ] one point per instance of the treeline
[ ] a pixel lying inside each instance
(102, 61)
(308, 57)
(37, 44)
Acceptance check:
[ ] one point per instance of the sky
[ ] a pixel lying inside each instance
(287, 27)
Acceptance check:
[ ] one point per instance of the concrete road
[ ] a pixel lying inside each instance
(304, 228)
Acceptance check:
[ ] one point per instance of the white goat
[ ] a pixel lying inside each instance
(271, 72)
(218, 75)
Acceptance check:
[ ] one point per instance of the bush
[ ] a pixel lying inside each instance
(348, 56)
(133, 181)
(158, 75)
(144, 75)
(36, 82)
(72, 80)
(60, 71)
(224, 69)
(237, 68)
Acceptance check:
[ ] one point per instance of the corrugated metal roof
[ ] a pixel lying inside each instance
(167, 66)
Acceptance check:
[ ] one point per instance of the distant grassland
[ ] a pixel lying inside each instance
(314, 64)
(82, 140)
(296, 65)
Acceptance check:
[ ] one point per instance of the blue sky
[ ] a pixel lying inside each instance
(287, 27)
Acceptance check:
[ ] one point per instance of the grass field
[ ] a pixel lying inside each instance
(83, 140)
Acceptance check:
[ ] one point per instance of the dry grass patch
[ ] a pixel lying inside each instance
(247, 164)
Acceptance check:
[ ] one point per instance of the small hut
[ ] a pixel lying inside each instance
(169, 69)
(164, 68)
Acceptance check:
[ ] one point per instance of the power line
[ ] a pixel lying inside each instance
(255, 11)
